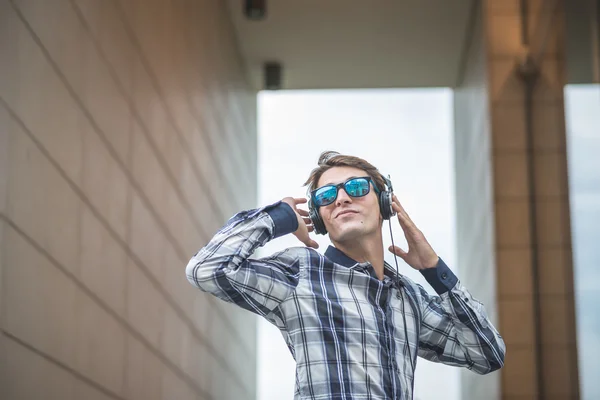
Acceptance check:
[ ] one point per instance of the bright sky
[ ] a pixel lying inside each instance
(582, 109)
(405, 133)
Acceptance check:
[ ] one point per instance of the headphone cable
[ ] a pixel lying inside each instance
(399, 288)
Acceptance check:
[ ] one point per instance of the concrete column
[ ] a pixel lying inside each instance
(531, 203)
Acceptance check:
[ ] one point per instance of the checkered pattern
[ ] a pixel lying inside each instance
(344, 326)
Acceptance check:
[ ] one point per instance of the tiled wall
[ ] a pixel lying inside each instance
(474, 197)
(127, 138)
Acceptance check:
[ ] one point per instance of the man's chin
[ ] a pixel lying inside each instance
(349, 232)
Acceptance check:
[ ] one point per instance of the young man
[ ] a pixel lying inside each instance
(353, 325)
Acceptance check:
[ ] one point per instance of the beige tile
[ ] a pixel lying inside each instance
(217, 327)
(103, 263)
(109, 111)
(100, 345)
(38, 299)
(513, 272)
(148, 171)
(87, 392)
(553, 40)
(176, 283)
(510, 174)
(513, 6)
(10, 29)
(508, 127)
(174, 387)
(202, 312)
(186, 227)
(144, 371)
(149, 107)
(47, 110)
(504, 34)
(145, 306)
(505, 86)
(175, 338)
(549, 126)
(512, 223)
(6, 125)
(90, 13)
(177, 217)
(208, 168)
(4, 365)
(41, 202)
(109, 32)
(516, 320)
(3, 228)
(554, 262)
(557, 371)
(554, 319)
(198, 196)
(550, 174)
(147, 241)
(105, 184)
(27, 375)
(519, 372)
(550, 85)
(191, 240)
(173, 153)
(60, 33)
(552, 222)
(541, 14)
(197, 363)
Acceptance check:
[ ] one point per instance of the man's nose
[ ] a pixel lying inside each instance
(342, 197)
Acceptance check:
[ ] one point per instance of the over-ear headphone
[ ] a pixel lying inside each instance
(385, 207)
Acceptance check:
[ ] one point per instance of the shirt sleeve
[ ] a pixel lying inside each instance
(455, 329)
(224, 267)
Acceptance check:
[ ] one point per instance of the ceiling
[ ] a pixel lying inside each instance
(333, 44)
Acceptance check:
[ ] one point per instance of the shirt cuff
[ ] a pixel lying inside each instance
(441, 278)
(284, 218)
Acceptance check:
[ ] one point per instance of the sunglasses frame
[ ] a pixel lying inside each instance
(343, 185)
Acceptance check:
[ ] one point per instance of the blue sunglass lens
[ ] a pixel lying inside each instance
(357, 187)
(325, 195)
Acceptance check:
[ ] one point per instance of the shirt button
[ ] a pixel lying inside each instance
(444, 275)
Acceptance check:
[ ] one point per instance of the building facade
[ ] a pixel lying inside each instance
(128, 136)
(127, 131)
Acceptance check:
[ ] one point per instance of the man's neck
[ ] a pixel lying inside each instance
(367, 249)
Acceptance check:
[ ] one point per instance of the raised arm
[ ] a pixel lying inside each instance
(455, 328)
(224, 268)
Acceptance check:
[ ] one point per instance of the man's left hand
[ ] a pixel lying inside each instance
(420, 254)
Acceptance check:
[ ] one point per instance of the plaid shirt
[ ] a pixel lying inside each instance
(344, 326)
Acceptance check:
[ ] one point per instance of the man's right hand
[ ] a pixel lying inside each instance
(304, 223)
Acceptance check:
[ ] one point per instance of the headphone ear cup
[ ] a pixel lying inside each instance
(317, 222)
(385, 204)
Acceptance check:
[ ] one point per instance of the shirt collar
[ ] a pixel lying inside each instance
(339, 257)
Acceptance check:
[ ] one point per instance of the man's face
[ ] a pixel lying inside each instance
(349, 218)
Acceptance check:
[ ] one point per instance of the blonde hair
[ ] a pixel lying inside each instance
(330, 159)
